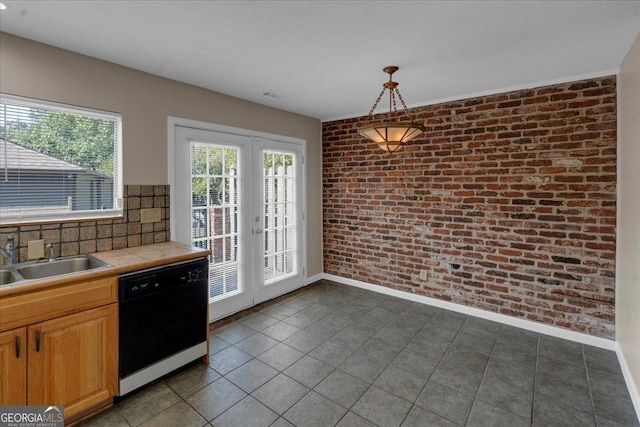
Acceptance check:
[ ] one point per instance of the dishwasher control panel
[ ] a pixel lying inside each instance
(149, 282)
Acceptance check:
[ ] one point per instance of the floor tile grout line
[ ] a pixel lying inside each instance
(181, 399)
(196, 411)
(484, 373)
(552, 338)
(535, 378)
(584, 365)
(586, 368)
(437, 366)
(372, 383)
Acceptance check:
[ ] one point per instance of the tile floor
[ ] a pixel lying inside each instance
(334, 355)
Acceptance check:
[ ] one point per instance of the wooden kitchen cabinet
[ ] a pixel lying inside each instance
(73, 361)
(68, 339)
(13, 367)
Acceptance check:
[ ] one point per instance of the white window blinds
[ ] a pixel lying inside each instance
(58, 162)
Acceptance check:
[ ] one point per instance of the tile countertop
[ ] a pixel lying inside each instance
(121, 260)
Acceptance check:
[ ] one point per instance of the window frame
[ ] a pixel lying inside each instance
(80, 215)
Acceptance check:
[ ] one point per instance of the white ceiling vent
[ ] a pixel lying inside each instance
(274, 95)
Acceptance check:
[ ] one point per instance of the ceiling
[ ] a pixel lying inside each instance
(324, 59)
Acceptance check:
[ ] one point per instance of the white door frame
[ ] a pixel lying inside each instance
(173, 122)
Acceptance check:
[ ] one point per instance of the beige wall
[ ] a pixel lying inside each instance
(628, 262)
(145, 101)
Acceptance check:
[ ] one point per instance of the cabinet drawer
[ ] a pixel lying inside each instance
(25, 309)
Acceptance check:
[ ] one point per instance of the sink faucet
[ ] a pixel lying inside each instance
(9, 251)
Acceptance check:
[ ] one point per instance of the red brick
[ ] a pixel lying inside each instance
(503, 187)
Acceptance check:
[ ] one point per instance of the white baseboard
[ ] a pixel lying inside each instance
(314, 278)
(628, 378)
(483, 314)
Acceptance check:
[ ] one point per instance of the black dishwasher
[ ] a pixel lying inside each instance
(163, 321)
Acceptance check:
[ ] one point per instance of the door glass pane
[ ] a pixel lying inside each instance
(279, 216)
(215, 213)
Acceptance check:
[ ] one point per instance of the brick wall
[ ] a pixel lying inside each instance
(508, 202)
(75, 238)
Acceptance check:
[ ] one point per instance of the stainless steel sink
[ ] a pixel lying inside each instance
(15, 274)
(6, 277)
(58, 267)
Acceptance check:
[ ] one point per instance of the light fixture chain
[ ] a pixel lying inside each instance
(405, 106)
(395, 107)
(375, 104)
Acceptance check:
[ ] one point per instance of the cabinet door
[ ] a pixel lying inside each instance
(13, 367)
(73, 360)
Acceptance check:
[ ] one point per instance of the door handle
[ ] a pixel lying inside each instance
(17, 347)
(37, 340)
(258, 230)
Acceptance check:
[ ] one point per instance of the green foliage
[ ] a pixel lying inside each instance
(208, 161)
(84, 141)
(220, 162)
(276, 159)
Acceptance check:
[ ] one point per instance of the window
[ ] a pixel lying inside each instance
(58, 162)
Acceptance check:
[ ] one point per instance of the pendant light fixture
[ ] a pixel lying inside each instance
(391, 134)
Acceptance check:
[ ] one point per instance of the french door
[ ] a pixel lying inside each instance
(278, 218)
(241, 198)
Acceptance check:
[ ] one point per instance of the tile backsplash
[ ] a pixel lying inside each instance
(75, 238)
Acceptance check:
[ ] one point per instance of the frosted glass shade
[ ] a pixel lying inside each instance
(391, 136)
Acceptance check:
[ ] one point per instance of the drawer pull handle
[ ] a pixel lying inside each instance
(37, 340)
(17, 347)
